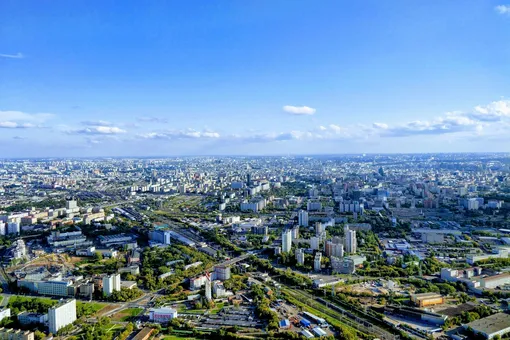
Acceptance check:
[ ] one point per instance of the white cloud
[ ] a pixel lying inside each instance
(13, 56)
(335, 128)
(380, 126)
(181, 134)
(97, 123)
(99, 130)
(153, 120)
(494, 111)
(18, 116)
(14, 125)
(299, 110)
(503, 9)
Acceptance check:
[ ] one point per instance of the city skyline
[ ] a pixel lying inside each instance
(253, 78)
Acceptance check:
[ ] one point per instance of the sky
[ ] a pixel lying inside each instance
(253, 77)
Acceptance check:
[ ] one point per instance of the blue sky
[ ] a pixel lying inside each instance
(130, 78)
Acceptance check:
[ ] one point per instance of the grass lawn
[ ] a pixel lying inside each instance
(127, 314)
(216, 310)
(89, 308)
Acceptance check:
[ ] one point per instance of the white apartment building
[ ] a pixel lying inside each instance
(300, 256)
(286, 240)
(111, 283)
(303, 218)
(61, 315)
(317, 262)
(351, 244)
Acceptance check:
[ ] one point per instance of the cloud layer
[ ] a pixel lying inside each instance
(503, 9)
(299, 110)
(12, 56)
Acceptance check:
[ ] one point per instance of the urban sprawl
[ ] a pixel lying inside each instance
(334, 247)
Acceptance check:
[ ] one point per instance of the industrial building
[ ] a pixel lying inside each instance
(427, 299)
(497, 324)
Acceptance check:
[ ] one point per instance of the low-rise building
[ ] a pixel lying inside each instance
(491, 326)
(15, 334)
(162, 315)
(427, 299)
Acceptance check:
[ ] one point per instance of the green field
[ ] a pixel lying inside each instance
(89, 308)
(126, 315)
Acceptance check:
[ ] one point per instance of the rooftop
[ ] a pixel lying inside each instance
(491, 324)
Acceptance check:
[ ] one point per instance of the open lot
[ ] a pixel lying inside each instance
(127, 314)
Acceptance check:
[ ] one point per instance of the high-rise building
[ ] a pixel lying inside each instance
(303, 218)
(61, 315)
(161, 236)
(314, 243)
(314, 206)
(300, 256)
(317, 262)
(350, 241)
(286, 240)
(71, 204)
(334, 249)
(222, 273)
(319, 229)
(295, 233)
(111, 283)
(208, 293)
(13, 228)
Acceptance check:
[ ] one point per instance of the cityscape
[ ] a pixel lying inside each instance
(254, 169)
(370, 246)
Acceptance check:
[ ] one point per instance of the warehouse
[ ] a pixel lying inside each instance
(427, 299)
(497, 324)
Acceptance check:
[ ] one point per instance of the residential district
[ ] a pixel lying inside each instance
(345, 247)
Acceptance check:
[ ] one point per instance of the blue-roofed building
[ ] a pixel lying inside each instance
(305, 323)
(284, 324)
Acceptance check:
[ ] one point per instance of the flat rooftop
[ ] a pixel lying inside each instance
(491, 324)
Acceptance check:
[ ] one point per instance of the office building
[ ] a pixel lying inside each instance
(53, 288)
(286, 240)
(61, 315)
(111, 283)
(160, 236)
(162, 315)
